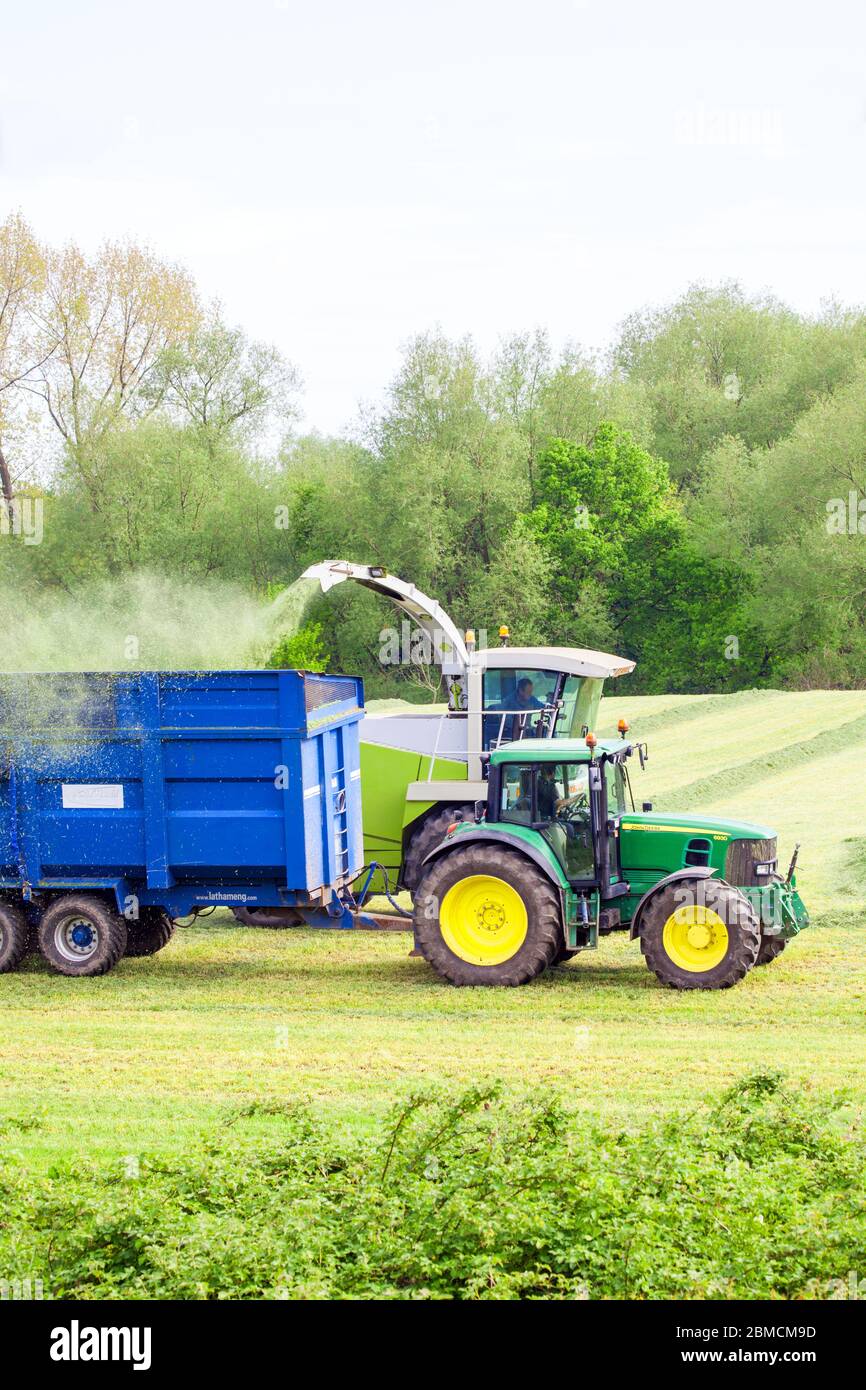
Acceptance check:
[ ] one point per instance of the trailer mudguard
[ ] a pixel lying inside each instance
(696, 871)
(499, 837)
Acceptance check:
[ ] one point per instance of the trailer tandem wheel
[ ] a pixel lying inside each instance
(13, 937)
(81, 935)
(153, 930)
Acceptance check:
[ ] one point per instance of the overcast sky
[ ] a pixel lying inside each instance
(344, 175)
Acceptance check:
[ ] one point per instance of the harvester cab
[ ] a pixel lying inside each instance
(423, 768)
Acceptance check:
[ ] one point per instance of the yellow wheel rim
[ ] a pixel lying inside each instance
(483, 920)
(695, 938)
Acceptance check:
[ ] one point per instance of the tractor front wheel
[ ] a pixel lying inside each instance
(698, 934)
(487, 916)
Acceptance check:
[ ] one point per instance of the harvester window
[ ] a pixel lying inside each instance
(517, 704)
(566, 724)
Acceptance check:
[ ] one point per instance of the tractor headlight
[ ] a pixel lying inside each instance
(765, 869)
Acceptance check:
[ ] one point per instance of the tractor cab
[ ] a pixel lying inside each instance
(570, 792)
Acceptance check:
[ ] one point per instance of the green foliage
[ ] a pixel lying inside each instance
(705, 450)
(627, 576)
(767, 512)
(719, 362)
(476, 1194)
(304, 651)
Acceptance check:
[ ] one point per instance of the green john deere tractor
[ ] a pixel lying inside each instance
(554, 858)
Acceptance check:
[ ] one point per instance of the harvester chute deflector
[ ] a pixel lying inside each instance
(447, 639)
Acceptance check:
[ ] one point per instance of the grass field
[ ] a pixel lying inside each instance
(148, 1058)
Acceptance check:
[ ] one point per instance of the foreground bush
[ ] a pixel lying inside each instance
(471, 1195)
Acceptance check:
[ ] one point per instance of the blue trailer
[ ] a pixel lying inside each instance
(130, 800)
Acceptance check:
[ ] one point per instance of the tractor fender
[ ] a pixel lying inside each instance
(696, 871)
(497, 837)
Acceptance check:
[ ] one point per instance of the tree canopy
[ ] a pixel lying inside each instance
(695, 499)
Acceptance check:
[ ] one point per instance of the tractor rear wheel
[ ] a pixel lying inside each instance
(13, 937)
(487, 916)
(770, 948)
(698, 934)
(149, 934)
(424, 839)
(81, 935)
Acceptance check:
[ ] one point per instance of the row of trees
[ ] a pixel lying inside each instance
(669, 502)
(92, 344)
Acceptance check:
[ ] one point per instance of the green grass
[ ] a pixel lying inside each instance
(148, 1058)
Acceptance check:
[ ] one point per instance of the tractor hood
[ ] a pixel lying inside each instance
(738, 851)
(653, 822)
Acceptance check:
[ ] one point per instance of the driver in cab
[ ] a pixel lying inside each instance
(552, 804)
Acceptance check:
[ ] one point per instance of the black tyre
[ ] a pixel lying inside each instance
(152, 931)
(770, 948)
(424, 839)
(486, 916)
(13, 937)
(81, 935)
(699, 934)
(272, 918)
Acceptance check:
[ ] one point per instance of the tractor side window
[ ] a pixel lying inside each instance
(516, 798)
(615, 779)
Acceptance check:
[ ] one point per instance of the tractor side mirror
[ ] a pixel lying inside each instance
(647, 806)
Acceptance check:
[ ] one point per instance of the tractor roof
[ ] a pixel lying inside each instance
(554, 750)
